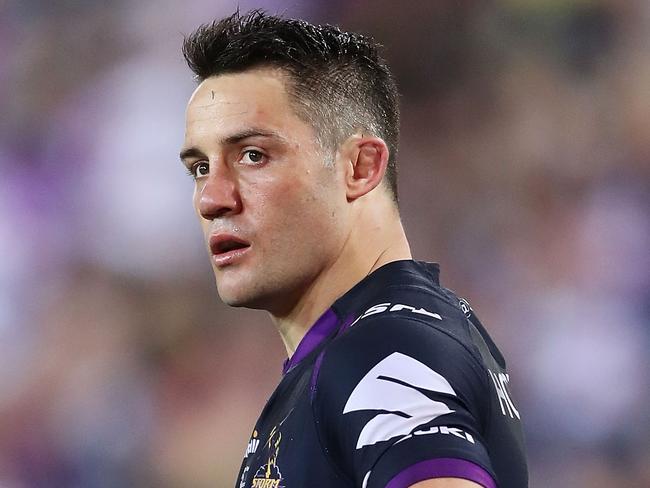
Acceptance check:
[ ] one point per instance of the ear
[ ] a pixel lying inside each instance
(365, 162)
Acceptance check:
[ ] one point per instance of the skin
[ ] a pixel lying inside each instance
(314, 229)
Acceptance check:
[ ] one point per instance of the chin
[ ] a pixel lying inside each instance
(237, 302)
(250, 298)
(239, 297)
(231, 298)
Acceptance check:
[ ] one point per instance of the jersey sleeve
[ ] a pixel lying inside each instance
(398, 400)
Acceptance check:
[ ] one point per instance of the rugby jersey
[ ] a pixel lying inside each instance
(397, 382)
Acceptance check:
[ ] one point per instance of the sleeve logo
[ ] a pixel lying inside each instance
(501, 381)
(393, 386)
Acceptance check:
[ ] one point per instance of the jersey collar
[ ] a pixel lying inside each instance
(349, 306)
(393, 274)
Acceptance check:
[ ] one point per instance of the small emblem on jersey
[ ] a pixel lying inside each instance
(253, 444)
(464, 306)
(393, 386)
(242, 483)
(269, 475)
(396, 307)
(500, 381)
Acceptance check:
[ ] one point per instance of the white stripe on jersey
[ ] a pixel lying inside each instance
(390, 385)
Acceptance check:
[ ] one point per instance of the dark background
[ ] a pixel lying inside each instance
(525, 172)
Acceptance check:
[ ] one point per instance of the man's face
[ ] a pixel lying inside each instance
(270, 208)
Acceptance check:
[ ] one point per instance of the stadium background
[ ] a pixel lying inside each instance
(525, 171)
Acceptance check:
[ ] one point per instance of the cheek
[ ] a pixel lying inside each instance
(294, 208)
(275, 207)
(305, 211)
(269, 190)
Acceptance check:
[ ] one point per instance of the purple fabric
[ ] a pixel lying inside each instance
(314, 375)
(322, 328)
(442, 468)
(346, 323)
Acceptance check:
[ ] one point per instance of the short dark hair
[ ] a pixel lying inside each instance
(337, 80)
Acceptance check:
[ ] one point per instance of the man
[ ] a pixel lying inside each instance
(391, 380)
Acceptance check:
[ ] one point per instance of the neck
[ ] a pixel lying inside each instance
(359, 257)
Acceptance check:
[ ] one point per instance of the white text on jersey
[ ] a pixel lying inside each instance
(500, 381)
(396, 307)
(252, 447)
(443, 429)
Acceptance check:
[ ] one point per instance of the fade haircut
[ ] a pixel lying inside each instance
(337, 81)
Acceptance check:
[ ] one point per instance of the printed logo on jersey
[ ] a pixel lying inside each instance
(444, 430)
(242, 483)
(393, 386)
(253, 444)
(500, 381)
(464, 306)
(395, 307)
(269, 475)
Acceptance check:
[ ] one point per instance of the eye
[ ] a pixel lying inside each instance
(200, 168)
(252, 156)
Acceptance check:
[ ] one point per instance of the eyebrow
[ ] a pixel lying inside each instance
(245, 134)
(191, 152)
(237, 137)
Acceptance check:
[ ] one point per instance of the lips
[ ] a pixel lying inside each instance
(227, 248)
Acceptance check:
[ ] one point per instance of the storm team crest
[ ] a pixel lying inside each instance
(269, 475)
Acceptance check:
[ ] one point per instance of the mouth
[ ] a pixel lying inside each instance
(227, 249)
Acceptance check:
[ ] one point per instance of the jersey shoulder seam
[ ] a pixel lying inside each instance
(419, 321)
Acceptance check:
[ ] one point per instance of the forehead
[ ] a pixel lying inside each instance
(255, 98)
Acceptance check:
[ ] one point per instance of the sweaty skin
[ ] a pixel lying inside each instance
(314, 229)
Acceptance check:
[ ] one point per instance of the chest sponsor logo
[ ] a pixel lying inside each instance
(393, 386)
(501, 381)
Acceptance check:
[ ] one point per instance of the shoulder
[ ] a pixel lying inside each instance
(441, 344)
(427, 321)
(403, 366)
(416, 337)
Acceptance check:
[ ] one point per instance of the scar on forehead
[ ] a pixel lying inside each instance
(212, 94)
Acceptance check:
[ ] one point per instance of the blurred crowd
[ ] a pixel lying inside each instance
(524, 171)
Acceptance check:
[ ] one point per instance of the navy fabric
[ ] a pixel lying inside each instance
(397, 381)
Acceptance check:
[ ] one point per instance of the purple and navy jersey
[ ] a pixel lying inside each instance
(396, 383)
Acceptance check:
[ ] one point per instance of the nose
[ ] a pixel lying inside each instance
(219, 195)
